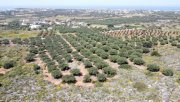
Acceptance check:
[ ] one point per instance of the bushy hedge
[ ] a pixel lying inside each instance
(93, 49)
(153, 67)
(68, 79)
(36, 68)
(101, 65)
(178, 45)
(56, 74)
(123, 54)
(5, 41)
(132, 57)
(138, 61)
(113, 52)
(87, 64)
(93, 71)
(69, 58)
(147, 44)
(109, 71)
(174, 43)
(51, 68)
(101, 77)
(104, 55)
(64, 66)
(125, 66)
(122, 60)
(69, 50)
(168, 72)
(106, 48)
(29, 57)
(33, 50)
(87, 79)
(146, 50)
(76, 72)
(9, 64)
(155, 53)
(113, 58)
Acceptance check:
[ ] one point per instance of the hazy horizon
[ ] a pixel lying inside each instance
(109, 4)
(127, 7)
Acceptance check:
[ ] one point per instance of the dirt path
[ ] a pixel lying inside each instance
(111, 64)
(3, 71)
(79, 65)
(68, 44)
(47, 76)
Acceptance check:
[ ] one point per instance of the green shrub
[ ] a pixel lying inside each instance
(87, 79)
(147, 44)
(116, 47)
(137, 54)
(76, 72)
(178, 45)
(155, 53)
(139, 50)
(29, 57)
(101, 65)
(122, 60)
(168, 72)
(69, 50)
(162, 42)
(33, 50)
(153, 67)
(124, 54)
(101, 77)
(93, 71)
(138, 61)
(87, 64)
(132, 57)
(113, 52)
(113, 58)
(109, 72)
(9, 64)
(79, 48)
(64, 66)
(36, 68)
(125, 66)
(93, 49)
(146, 50)
(104, 55)
(56, 74)
(51, 68)
(68, 79)
(174, 43)
(99, 51)
(140, 86)
(5, 41)
(106, 48)
(69, 58)
(79, 57)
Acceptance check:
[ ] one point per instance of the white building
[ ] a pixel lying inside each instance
(34, 26)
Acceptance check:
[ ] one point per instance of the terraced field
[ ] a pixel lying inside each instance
(90, 66)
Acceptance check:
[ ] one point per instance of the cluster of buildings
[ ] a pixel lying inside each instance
(45, 23)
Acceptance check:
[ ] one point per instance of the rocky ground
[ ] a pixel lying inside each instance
(157, 88)
(133, 85)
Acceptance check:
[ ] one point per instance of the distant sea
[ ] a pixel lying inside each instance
(108, 7)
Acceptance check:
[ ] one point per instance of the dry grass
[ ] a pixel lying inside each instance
(19, 34)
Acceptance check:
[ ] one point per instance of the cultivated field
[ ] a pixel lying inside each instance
(86, 64)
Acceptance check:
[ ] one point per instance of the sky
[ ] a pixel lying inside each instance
(88, 3)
